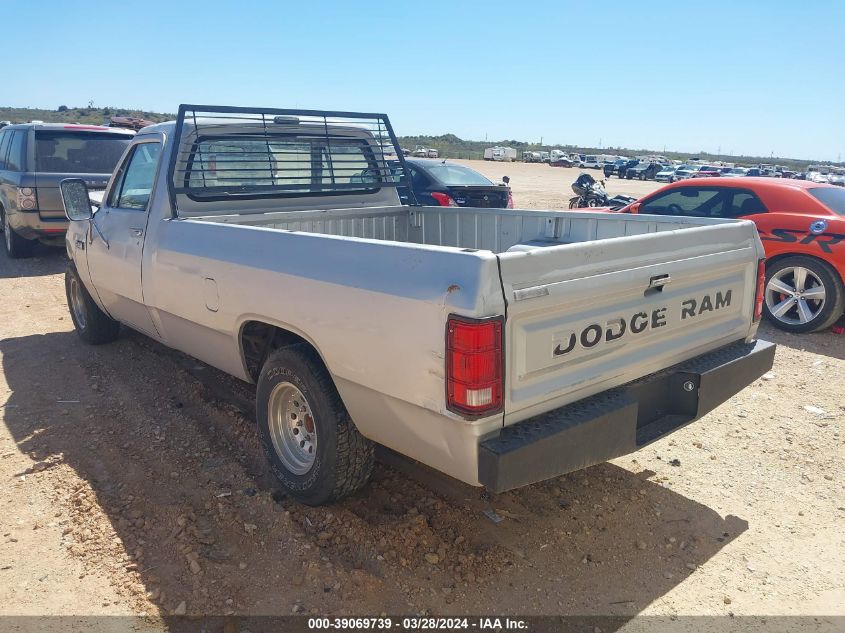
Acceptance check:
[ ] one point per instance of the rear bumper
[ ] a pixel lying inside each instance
(619, 421)
(30, 225)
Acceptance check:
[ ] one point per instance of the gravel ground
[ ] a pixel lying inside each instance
(134, 484)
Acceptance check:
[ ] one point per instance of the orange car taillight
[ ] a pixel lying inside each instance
(510, 200)
(27, 199)
(761, 290)
(474, 367)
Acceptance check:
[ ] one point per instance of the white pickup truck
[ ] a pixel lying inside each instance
(501, 347)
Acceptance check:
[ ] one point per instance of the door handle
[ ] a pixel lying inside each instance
(136, 232)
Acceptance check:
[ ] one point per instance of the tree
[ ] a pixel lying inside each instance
(62, 108)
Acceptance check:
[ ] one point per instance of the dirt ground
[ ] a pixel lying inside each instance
(133, 483)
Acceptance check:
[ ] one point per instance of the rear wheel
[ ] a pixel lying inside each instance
(16, 246)
(802, 294)
(313, 446)
(92, 324)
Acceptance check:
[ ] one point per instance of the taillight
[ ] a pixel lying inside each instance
(444, 199)
(510, 200)
(761, 290)
(474, 365)
(27, 199)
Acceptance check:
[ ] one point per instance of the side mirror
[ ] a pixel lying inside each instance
(75, 199)
(506, 179)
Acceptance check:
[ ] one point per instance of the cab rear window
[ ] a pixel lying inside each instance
(831, 197)
(78, 152)
(293, 166)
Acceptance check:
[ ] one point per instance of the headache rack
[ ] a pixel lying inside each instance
(225, 152)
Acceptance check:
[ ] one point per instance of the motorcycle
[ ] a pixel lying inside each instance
(590, 193)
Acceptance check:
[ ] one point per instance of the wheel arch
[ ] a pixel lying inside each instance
(258, 337)
(781, 256)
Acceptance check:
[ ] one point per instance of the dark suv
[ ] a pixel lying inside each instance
(34, 159)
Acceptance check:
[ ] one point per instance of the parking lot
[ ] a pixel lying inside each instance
(134, 483)
(538, 186)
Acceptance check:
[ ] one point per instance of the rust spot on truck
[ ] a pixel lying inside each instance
(453, 288)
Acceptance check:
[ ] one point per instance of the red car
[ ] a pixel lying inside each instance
(706, 171)
(802, 226)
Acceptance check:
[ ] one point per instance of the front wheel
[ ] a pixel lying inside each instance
(802, 294)
(311, 442)
(92, 324)
(575, 203)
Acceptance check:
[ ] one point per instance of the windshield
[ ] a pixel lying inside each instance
(449, 174)
(78, 152)
(737, 170)
(831, 197)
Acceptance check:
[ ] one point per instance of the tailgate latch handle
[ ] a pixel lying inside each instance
(656, 283)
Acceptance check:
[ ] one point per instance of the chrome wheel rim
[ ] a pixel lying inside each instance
(292, 428)
(77, 304)
(795, 295)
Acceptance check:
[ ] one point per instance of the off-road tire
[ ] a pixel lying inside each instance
(97, 327)
(344, 457)
(834, 291)
(17, 247)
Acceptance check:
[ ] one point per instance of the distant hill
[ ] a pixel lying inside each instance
(449, 145)
(65, 114)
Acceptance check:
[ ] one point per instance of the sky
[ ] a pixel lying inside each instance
(758, 77)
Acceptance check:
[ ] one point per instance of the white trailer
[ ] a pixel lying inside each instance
(502, 154)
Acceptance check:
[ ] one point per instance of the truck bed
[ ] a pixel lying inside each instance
(495, 230)
(564, 272)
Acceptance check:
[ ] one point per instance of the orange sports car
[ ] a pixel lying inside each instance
(802, 226)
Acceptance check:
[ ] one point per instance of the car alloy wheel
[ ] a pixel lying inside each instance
(795, 295)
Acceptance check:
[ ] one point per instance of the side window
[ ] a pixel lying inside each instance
(136, 177)
(4, 147)
(418, 179)
(686, 201)
(745, 203)
(15, 160)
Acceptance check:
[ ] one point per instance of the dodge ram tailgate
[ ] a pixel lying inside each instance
(586, 316)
